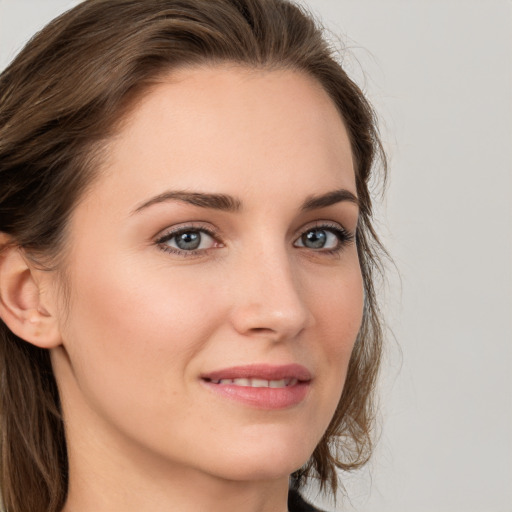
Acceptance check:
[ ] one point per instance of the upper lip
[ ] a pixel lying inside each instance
(261, 371)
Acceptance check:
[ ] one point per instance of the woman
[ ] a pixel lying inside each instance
(186, 275)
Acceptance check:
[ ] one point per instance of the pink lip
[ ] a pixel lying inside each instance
(264, 397)
(261, 371)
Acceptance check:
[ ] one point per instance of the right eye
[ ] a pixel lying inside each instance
(187, 241)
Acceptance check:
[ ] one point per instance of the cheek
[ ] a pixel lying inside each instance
(134, 329)
(123, 301)
(338, 307)
(341, 312)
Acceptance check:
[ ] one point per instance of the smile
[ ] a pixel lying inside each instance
(257, 383)
(261, 386)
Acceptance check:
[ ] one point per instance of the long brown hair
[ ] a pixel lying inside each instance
(60, 99)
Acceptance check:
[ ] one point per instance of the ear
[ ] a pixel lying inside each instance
(22, 298)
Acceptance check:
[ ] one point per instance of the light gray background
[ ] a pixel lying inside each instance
(440, 74)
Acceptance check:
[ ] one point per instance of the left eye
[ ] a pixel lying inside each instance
(189, 240)
(320, 238)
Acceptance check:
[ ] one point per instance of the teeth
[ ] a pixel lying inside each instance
(241, 382)
(257, 383)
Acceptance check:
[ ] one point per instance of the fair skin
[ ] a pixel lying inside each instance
(268, 280)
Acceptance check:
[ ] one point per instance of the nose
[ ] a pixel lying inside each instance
(269, 299)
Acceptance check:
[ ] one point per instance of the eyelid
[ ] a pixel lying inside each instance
(345, 236)
(171, 232)
(324, 224)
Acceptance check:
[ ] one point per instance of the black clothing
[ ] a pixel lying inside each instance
(297, 504)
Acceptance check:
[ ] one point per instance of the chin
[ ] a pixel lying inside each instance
(269, 470)
(262, 460)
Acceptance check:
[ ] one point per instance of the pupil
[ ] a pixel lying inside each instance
(314, 239)
(188, 241)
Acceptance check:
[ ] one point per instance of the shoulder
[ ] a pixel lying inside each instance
(297, 504)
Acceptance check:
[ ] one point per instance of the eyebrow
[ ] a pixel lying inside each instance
(214, 201)
(228, 203)
(328, 199)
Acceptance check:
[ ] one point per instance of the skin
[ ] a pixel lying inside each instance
(143, 324)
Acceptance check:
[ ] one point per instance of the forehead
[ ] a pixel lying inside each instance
(226, 128)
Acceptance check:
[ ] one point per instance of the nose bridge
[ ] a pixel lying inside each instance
(269, 299)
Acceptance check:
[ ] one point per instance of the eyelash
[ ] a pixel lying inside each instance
(344, 237)
(186, 229)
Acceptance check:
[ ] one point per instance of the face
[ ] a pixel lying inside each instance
(215, 287)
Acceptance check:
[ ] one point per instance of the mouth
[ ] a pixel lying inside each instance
(256, 383)
(259, 375)
(261, 386)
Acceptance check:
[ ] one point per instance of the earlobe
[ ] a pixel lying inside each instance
(21, 302)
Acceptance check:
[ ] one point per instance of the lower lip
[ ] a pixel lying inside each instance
(262, 398)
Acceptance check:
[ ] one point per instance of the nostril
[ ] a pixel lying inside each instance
(263, 331)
